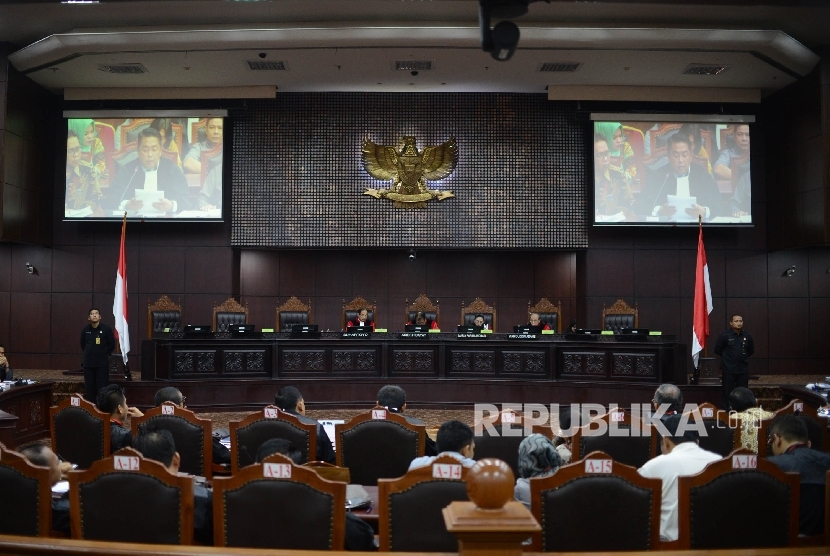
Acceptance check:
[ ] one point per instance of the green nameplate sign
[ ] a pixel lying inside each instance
(550, 332)
(607, 332)
(267, 330)
(486, 331)
(380, 330)
(655, 333)
(167, 330)
(434, 330)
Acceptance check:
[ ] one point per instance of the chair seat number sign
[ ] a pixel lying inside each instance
(76, 401)
(167, 410)
(378, 414)
(270, 412)
(743, 461)
(798, 406)
(508, 417)
(617, 417)
(125, 463)
(599, 465)
(708, 413)
(446, 471)
(276, 470)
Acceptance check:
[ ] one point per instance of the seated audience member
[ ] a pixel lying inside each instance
(362, 319)
(91, 146)
(214, 134)
(359, 534)
(111, 400)
(6, 372)
(150, 177)
(478, 322)
(669, 398)
(422, 320)
(43, 456)
(455, 439)
(537, 458)
(723, 165)
(789, 441)
(681, 456)
(612, 185)
(210, 197)
(393, 398)
(221, 454)
(290, 400)
(692, 131)
(83, 191)
(535, 320)
(743, 404)
(564, 440)
(168, 142)
(158, 445)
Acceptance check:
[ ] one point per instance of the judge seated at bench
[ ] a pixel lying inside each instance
(536, 320)
(422, 320)
(479, 323)
(362, 319)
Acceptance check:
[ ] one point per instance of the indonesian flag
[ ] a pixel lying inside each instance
(119, 304)
(703, 302)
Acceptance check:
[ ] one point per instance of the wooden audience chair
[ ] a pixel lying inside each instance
(502, 445)
(198, 131)
(80, 433)
(410, 507)
(741, 501)
(292, 312)
(816, 427)
(127, 485)
(722, 436)
(635, 449)
(191, 434)
(595, 505)
(351, 308)
(620, 315)
(248, 435)
(548, 313)
(276, 504)
(26, 499)
(163, 315)
(378, 444)
(468, 313)
(229, 312)
(422, 305)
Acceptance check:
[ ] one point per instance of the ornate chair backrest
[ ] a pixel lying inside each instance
(80, 433)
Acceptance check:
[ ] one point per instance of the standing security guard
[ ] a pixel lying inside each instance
(734, 347)
(97, 343)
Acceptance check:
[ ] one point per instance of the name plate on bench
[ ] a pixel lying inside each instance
(522, 336)
(472, 336)
(359, 335)
(413, 335)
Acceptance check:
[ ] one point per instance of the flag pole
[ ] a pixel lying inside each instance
(127, 374)
(699, 229)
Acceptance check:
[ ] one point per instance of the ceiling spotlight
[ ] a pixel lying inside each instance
(412, 255)
(789, 272)
(500, 41)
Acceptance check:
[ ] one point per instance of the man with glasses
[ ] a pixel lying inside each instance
(221, 454)
(613, 192)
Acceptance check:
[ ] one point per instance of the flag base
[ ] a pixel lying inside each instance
(707, 373)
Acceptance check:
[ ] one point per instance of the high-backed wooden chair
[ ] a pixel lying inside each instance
(210, 159)
(468, 313)
(228, 313)
(191, 434)
(741, 501)
(378, 444)
(276, 504)
(549, 313)
(639, 446)
(198, 131)
(26, 500)
(351, 309)
(424, 305)
(620, 315)
(80, 433)
(129, 132)
(410, 507)
(163, 315)
(504, 443)
(248, 435)
(161, 501)
(293, 312)
(596, 505)
(722, 436)
(816, 427)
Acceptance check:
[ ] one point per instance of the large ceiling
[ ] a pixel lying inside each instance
(617, 47)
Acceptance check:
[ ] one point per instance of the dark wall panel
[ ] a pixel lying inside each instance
(781, 285)
(746, 274)
(787, 318)
(73, 269)
(656, 273)
(210, 270)
(29, 314)
(69, 316)
(161, 270)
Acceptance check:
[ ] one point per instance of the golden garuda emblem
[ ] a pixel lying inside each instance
(409, 171)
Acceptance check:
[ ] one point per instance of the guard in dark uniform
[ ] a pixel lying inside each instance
(734, 347)
(97, 343)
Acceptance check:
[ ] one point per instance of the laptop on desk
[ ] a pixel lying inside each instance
(241, 329)
(416, 328)
(468, 329)
(197, 329)
(305, 331)
(638, 331)
(527, 329)
(357, 329)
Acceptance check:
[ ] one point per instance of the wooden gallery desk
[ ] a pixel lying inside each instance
(650, 359)
(24, 413)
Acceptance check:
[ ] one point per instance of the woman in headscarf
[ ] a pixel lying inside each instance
(537, 458)
(83, 193)
(622, 155)
(92, 149)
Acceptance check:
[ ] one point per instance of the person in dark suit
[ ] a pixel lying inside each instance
(111, 399)
(149, 172)
(221, 454)
(393, 398)
(42, 455)
(97, 342)
(290, 400)
(684, 179)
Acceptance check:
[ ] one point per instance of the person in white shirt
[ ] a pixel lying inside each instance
(681, 457)
(454, 439)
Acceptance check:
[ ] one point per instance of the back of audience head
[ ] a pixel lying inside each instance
(741, 399)
(42, 455)
(279, 446)
(289, 399)
(790, 429)
(392, 398)
(110, 398)
(538, 457)
(676, 436)
(169, 394)
(156, 444)
(455, 436)
(669, 394)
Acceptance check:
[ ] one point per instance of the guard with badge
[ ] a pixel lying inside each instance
(734, 347)
(97, 343)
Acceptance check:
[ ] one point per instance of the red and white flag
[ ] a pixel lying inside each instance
(703, 302)
(119, 304)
